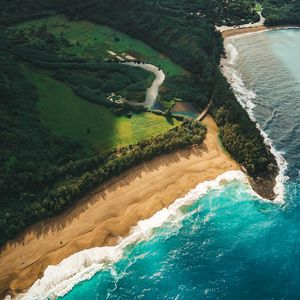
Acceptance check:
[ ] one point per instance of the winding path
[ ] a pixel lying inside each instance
(152, 91)
(261, 22)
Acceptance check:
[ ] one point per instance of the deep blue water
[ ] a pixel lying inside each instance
(230, 245)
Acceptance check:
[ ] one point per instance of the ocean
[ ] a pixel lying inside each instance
(221, 241)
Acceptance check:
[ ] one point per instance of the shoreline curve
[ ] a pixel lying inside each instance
(110, 211)
(227, 68)
(236, 32)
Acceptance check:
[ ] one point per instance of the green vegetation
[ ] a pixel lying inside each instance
(67, 115)
(62, 45)
(109, 84)
(49, 129)
(281, 12)
(63, 185)
(87, 41)
(239, 135)
(258, 7)
(184, 87)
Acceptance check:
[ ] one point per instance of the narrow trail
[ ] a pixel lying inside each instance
(152, 91)
(261, 22)
(204, 112)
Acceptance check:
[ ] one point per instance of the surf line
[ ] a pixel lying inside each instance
(246, 97)
(59, 280)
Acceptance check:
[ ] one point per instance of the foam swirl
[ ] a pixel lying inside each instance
(60, 279)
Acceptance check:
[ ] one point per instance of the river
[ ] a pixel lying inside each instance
(152, 91)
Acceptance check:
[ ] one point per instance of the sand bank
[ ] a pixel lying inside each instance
(111, 210)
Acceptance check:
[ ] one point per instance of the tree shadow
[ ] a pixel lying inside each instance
(58, 223)
(170, 119)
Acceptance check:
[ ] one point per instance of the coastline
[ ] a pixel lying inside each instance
(111, 211)
(269, 185)
(234, 32)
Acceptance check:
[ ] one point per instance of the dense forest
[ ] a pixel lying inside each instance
(281, 12)
(41, 173)
(194, 44)
(44, 192)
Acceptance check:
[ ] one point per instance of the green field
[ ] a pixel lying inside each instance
(258, 7)
(91, 41)
(66, 114)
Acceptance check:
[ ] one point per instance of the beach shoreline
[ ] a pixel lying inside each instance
(110, 211)
(269, 185)
(235, 32)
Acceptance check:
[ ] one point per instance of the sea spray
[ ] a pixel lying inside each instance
(233, 53)
(60, 279)
(246, 97)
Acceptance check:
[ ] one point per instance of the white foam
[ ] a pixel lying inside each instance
(233, 53)
(60, 279)
(246, 98)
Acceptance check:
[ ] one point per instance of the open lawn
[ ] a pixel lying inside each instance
(66, 114)
(91, 41)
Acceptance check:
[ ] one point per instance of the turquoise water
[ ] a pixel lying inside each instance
(230, 244)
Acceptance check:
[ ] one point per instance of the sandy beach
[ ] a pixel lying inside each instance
(230, 31)
(241, 31)
(110, 211)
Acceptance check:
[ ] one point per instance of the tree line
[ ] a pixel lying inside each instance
(192, 42)
(49, 191)
(41, 174)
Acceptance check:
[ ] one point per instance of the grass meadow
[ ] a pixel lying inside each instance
(66, 114)
(92, 41)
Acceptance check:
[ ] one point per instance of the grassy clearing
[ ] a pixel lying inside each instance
(145, 125)
(66, 114)
(258, 7)
(91, 41)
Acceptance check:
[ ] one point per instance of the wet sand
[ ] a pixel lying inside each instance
(110, 211)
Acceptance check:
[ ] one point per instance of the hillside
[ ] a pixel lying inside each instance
(71, 110)
(72, 114)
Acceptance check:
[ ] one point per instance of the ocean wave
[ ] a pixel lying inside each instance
(60, 279)
(246, 98)
(233, 53)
